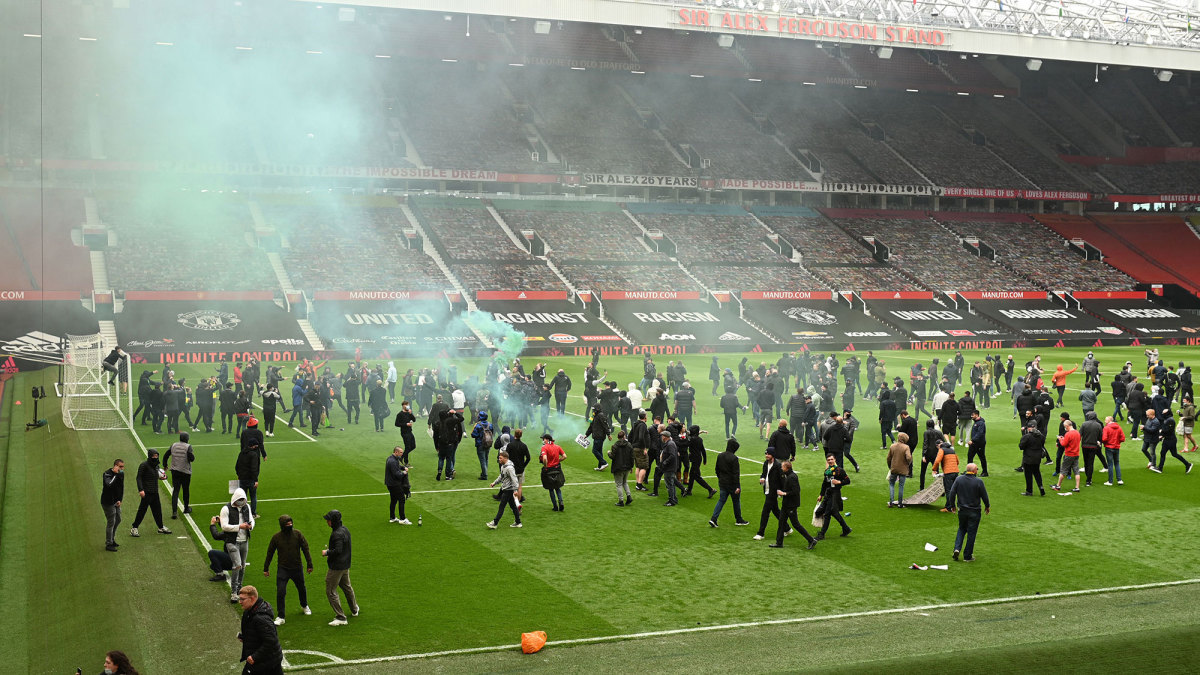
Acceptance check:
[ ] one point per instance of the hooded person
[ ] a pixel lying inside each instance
(698, 455)
(249, 462)
(729, 483)
(635, 397)
(237, 521)
(290, 544)
(337, 552)
(147, 477)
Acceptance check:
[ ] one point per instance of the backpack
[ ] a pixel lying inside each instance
(486, 438)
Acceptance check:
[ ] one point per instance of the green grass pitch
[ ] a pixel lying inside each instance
(596, 571)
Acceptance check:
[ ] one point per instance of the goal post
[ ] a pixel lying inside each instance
(93, 397)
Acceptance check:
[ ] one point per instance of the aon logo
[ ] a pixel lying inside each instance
(668, 336)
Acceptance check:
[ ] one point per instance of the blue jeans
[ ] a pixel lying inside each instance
(737, 505)
(1118, 400)
(482, 452)
(1114, 463)
(446, 457)
(556, 496)
(730, 418)
(892, 486)
(968, 526)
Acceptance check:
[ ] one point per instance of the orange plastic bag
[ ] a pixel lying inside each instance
(532, 643)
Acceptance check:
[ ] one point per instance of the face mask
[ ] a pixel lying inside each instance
(109, 672)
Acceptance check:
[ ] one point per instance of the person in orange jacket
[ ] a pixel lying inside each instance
(1059, 378)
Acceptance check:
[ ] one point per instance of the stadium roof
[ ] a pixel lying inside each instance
(1147, 33)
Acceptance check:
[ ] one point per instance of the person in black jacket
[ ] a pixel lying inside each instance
(639, 438)
(249, 462)
(948, 416)
(668, 462)
(227, 397)
(241, 408)
(621, 454)
(929, 447)
(1033, 446)
(451, 434)
(259, 637)
(147, 484)
(835, 478)
(599, 429)
(271, 401)
(698, 455)
(887, 416)
(156, 402)
(966, 406)
(112, 493)
(290, 543)
(143, 394)
(351, 385)
(377, 402)
(518, 454)
(395, 479)
(836, 435)
(405, 420)
(729, 480)
(730, 405)
(790, 492)
(783, 441)
(338, 555)
(772, 481)
(908, 426)
(1136, 402)
(1119, 391)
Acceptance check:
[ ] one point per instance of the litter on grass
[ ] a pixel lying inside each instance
(939, 567)
(930, 547)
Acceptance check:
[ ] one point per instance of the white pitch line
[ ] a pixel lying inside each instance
(749, 624)
(288, 426)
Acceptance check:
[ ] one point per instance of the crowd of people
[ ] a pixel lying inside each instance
(645, 437)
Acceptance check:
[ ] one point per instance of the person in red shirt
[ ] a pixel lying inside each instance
(1070, 464)
(1112, 437)
(551, 457)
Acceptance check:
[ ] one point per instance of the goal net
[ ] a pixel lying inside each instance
(93, 397)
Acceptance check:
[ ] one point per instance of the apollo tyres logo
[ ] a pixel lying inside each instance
(209, 320)
(816, 317)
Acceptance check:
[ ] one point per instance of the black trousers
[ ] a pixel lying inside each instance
(206, 416)
(173, 421)
(829, 518)
(560, 402)
(352, 407)
(150, 501)
(397, 499)
(282, 576)
(980, 451)
(925, 464)
(695, 477)
(181, 482)
(770, 509)
(269, 421)
(785, 516)
(1089, 461)
(228, 422)
(1033, 472)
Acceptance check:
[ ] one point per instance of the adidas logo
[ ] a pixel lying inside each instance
(730, 335)
(33, 342)
(10, 366)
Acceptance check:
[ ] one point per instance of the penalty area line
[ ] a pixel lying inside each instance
(745, 624)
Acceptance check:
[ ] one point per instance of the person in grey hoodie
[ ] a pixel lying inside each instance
(1017, 389)
(508, 488)
(236, 522)
(1087, 399)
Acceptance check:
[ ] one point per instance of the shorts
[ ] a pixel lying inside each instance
(1186, 428)
(521, 479)
(641, 459)
(1070, 466)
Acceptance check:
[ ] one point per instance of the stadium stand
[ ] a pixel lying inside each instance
(39, 253)
(933, 254)
(709, 120)
(628, 277)
(1154, 178)
(489, 275)
(865, 278)
(348, 243)
(585, 231)
(161, 244)
(817, 239)
(1035, 252)
(1172, 102)
(755, 277)
(1115, 250)
(920, 133)
(465, 230)
(1125, 105)
(1036, 160)
(614, 140)
(1164, 240)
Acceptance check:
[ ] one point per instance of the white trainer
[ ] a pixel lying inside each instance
(307, 611)
(338, 622)
(279, 621)
(406, 521)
